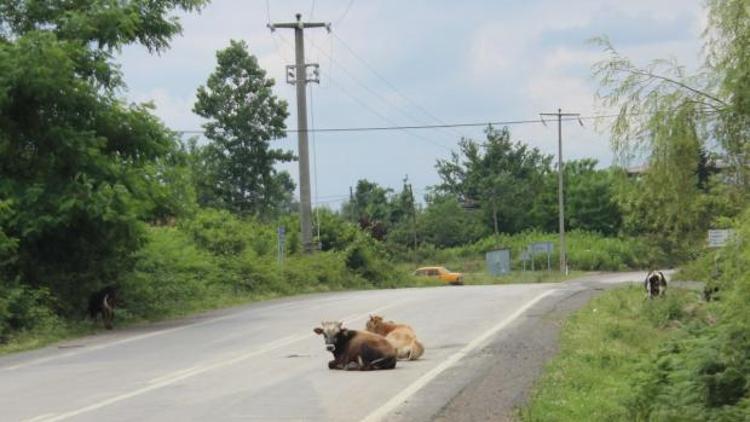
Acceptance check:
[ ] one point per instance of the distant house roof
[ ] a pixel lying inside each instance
(718, 164)
(636, 170)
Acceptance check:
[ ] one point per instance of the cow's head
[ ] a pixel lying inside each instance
(331, 331)
(374, 324)
(654, 278)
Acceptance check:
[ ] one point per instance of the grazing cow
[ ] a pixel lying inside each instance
(103, 302)
(356, 350)
(401, 336)
(655, 284)
(710, 292)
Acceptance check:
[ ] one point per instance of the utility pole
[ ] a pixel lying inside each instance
(413, 214)
(297, 75)
(560, 200)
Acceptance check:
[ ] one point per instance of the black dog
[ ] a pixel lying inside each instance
(656, 284)
(103, 302)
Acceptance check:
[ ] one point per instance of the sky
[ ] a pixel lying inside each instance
(419, 62)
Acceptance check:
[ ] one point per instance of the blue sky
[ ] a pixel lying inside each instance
(450, 61)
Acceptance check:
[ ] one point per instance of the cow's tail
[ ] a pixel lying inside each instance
(416, 350)
(108, 312)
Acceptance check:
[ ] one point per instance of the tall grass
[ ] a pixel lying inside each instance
(679, 359)
(603, 347)
(587, 251)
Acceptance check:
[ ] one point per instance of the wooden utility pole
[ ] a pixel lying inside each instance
(297, 75)
(560, 200)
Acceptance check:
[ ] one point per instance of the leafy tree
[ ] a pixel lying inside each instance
(371, 208)
(78, 167)
(445, 223)
(590, 200)
(244, 116)
(501, 176)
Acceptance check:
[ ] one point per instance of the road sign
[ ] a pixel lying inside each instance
(719, 238)
(281, 243)
(498, 261)
(541, 247)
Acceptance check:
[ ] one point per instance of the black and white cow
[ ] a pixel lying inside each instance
(655, 284)
(103, 302)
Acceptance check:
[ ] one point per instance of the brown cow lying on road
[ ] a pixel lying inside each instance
(401, 336)
(104, 302)
(656, 284)
(356, 350)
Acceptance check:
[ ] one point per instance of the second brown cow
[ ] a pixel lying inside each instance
(401, 336)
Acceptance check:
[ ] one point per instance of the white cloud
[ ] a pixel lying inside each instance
(463, 61)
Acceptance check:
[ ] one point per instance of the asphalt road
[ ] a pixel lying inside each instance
(263, 362)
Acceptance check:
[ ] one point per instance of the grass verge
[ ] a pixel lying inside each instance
(603, 348)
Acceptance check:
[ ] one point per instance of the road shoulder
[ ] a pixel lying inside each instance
(489, 384)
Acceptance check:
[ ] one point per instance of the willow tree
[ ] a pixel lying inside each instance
(670, 117)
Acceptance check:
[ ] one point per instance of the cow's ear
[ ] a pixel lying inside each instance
(318, 330)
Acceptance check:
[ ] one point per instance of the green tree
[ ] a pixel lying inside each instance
(371, 208)
(445, 223)
(244, 116)
(590, 200)
(501, 176)
(78, 167)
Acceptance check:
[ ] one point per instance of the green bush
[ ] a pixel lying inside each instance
(587, 251)
(171, 274)
(24, 309)
(222, 233)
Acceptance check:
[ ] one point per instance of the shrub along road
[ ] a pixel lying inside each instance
(263, 361)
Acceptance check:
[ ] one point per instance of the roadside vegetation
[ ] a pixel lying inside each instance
(608, 367)
(95, 190)
(680, 357)
(685, 357)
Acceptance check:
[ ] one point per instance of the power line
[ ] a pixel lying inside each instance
(388, 103)
(436, 126)
(381, 116)
(387, 82)
(365, 105)
(315, 156)
(346, 12)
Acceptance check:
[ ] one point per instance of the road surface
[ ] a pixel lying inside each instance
(263, 361)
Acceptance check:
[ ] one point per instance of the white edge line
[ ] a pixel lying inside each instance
(183, 374)
(40, 417)
(379, 413)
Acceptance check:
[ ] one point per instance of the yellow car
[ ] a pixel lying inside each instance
(441, 273)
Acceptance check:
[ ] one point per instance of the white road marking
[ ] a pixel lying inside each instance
(182, 374)
(39, 418)
(379, 413)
